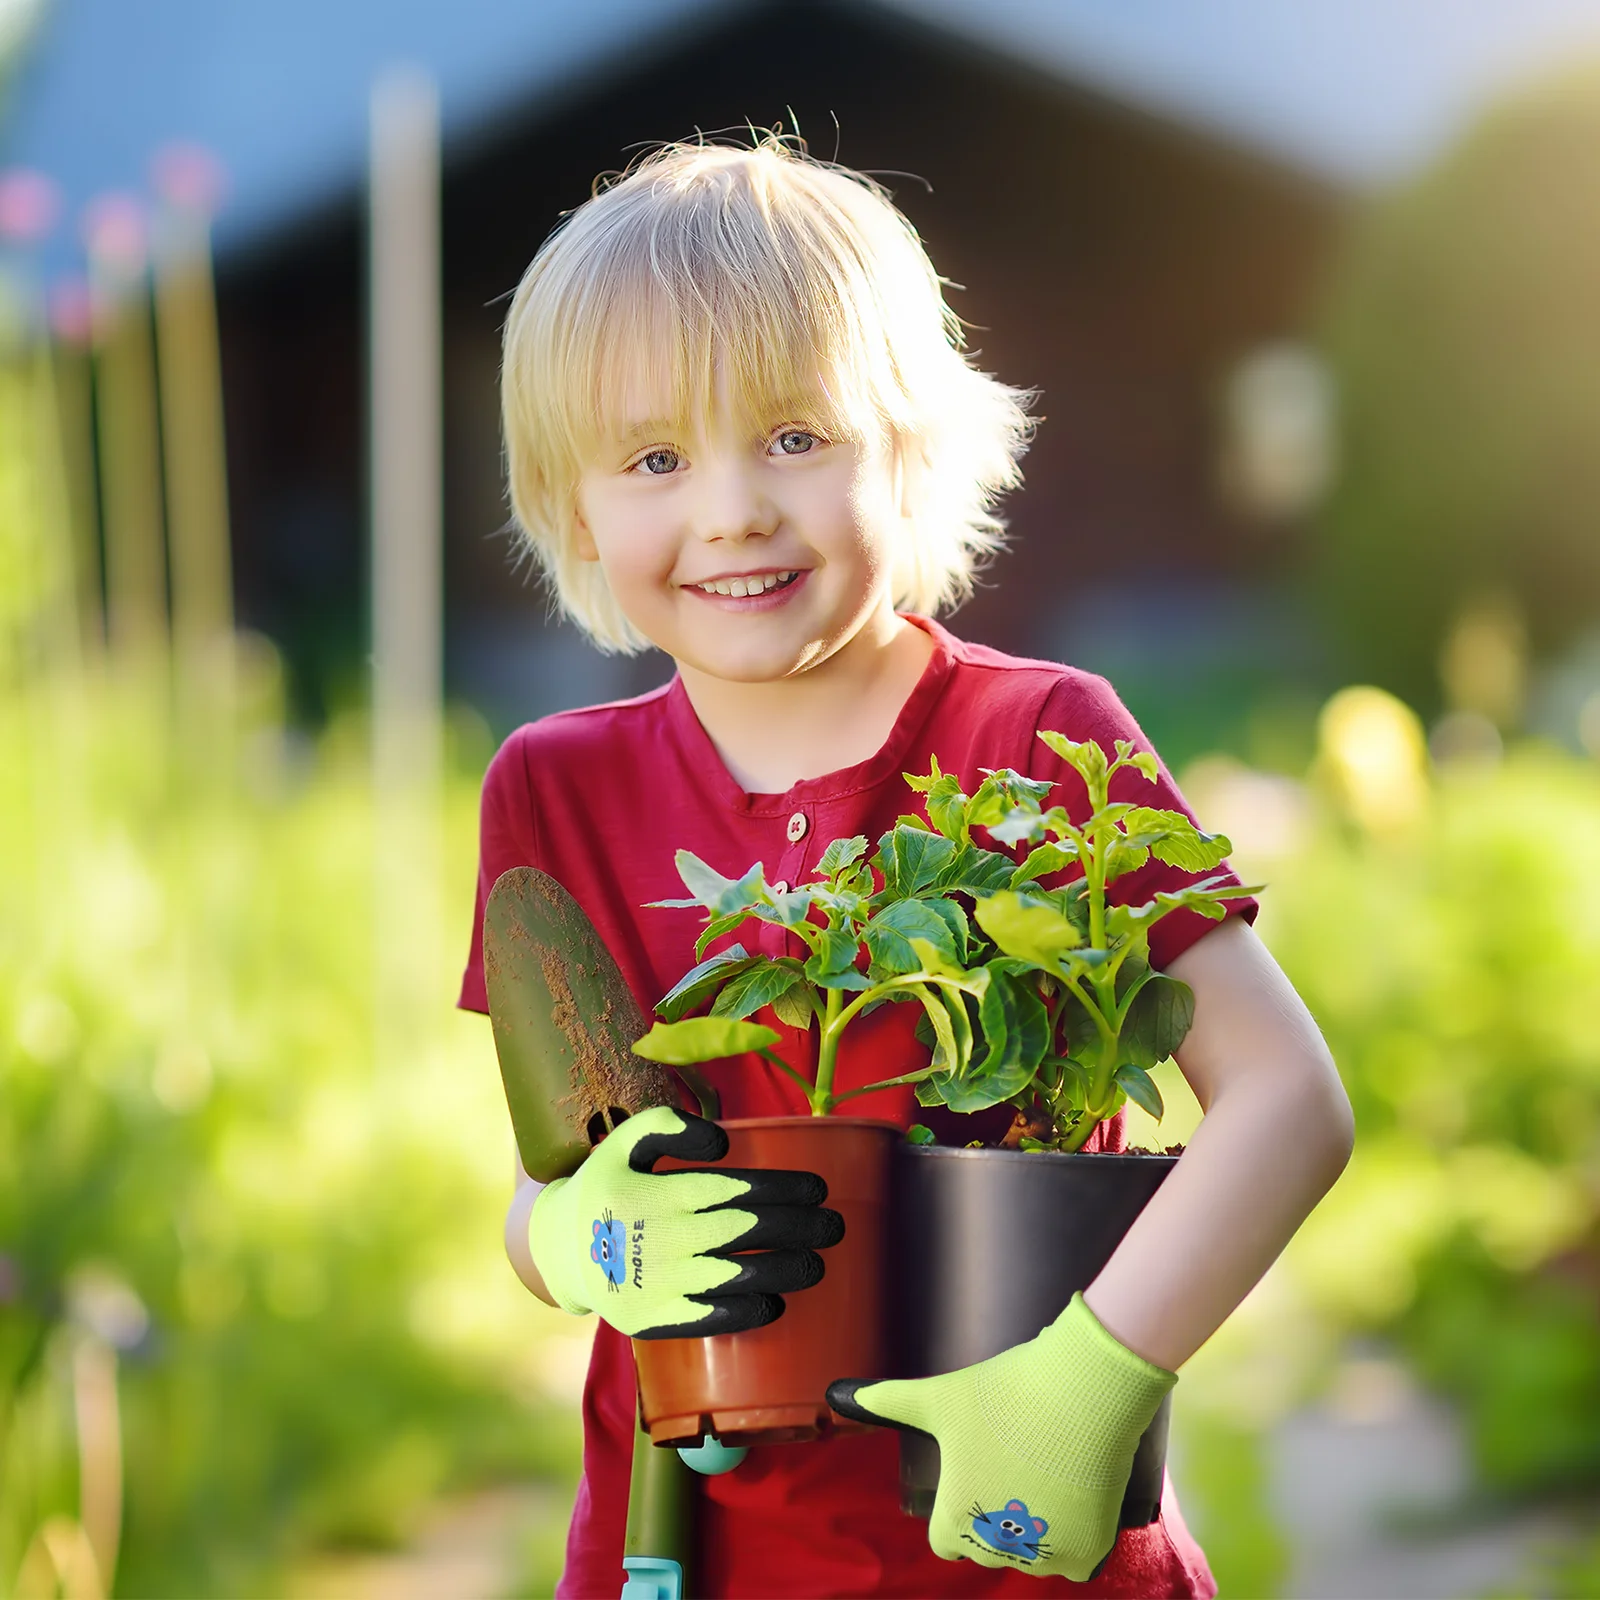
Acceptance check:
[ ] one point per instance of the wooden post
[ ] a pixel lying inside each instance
(125, 411)
(407, 564)
(194, 448)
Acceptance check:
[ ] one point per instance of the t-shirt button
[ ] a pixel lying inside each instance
(780, 887)
(797, 827)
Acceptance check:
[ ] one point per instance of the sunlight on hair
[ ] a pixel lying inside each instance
(786, 287)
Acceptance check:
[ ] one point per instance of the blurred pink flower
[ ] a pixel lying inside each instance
(114, 231)
(29, 205)
(189, 178)
(71, 307)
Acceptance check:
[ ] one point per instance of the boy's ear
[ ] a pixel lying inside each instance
(582, 540)
(911, 467)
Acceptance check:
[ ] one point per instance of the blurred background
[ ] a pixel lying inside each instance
(1312, 295)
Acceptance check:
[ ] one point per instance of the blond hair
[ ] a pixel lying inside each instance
(807, 291)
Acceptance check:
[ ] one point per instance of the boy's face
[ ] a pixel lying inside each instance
(805, 525)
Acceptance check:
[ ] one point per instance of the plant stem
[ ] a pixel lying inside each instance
(710, 1100)
(1079, 1136)
(827, 1055)
(888, 1083)
(783, 1066)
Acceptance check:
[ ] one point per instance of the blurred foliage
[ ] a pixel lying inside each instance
(1223, 1480)
(1463, 332)
(1451, 964)
(288, 1253)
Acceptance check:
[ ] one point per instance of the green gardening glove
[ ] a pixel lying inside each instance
(653, 1252)
(1035, 1444)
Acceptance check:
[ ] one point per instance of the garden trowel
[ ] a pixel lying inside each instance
(565, 1023)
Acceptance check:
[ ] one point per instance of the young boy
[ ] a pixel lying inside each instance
(739, 426)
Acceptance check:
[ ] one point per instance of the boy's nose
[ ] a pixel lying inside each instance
(731, 506)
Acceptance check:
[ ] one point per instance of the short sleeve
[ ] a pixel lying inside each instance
(1083, 706)
(506, 839)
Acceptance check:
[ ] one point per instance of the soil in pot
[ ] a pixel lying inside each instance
(769, 1386)
(990, 1247)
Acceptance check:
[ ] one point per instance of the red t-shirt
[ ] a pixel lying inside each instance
(602, 798)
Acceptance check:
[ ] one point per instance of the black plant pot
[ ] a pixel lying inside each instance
(989, 1248)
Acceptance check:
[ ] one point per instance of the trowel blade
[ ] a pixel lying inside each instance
(565, 1022)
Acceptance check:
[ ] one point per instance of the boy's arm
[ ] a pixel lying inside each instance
(1277, 1132)
(518, 1250)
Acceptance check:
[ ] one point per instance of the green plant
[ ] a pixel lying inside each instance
(895, 909)
(1041, 997)
(1112, 1016)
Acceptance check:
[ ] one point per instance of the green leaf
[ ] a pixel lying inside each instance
(1083, 962)
(716, 927)
(1087, 759)
(1003, 790)
(788, 909)
(1140, 1088)
(839, 855)
(1018, 826)
(1073, 1090)
(975, 871)
(1016, 1029)
(715, 892)
(990, 803)
(1123, 857)
(683, 1044)
(960, 1094)
(699, 982)
(1047, 858)
(757, 986)
(960, 1025)
(832, 966)
(848, 905)
(793, 1007)
(946, 1054)
(1174, 839)
(1209, 898)
(918, 858)
(1071, 900)
(1142, 760)
(1028, 926)
(972, 982)
(923, 782)
(918, 1133)
(947, 807)
(889, 934)
(1158, 1020)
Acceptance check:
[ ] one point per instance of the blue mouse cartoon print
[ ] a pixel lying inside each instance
(1012, 1531)
(609, 1250)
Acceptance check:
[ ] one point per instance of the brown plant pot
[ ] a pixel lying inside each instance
(769, 1386)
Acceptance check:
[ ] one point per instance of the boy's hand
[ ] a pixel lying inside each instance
(1035, 1445)
(653, 1252)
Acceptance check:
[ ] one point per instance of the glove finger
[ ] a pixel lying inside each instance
(731, 1313)
(777, 1186)
(784, 1228)
(775, 1272)
(897, 1403)
(670, 1132)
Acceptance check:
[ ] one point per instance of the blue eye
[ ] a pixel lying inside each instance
(796, 442)
(653, 462)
